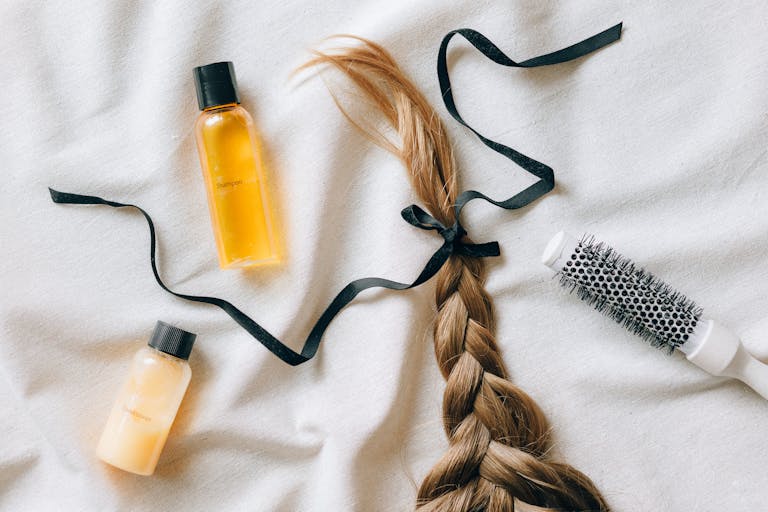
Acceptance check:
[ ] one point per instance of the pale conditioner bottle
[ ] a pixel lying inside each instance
(147, 404)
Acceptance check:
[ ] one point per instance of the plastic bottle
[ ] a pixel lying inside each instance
(230, 157)
(146, 406)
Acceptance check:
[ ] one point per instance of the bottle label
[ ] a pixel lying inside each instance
(136, 414)
(229, 184)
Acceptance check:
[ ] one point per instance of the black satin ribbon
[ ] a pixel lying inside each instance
(452, 244)
(486, 47)
(454, 241)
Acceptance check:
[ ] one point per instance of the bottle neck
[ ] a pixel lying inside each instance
(164, 355)
(219, 107)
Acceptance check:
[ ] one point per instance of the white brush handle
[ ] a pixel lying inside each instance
(719, 351)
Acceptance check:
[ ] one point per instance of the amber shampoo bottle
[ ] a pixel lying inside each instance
(146, 406)
(232, 169)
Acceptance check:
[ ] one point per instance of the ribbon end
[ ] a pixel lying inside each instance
(62, 197)
(486, 250)
(68, 198)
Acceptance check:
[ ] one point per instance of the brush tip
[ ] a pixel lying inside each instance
(558, 250)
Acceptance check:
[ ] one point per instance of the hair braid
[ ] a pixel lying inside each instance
(498, 436)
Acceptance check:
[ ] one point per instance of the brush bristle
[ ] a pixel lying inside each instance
(633, 297)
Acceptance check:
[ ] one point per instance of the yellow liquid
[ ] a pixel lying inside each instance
(234, 179)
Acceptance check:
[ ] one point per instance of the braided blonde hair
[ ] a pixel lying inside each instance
(498, 454)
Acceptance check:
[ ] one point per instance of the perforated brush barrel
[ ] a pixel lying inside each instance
(630, 295)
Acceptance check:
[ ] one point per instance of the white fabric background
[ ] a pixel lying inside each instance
(659, 147)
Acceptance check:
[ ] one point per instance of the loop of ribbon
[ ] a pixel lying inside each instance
(454, 242)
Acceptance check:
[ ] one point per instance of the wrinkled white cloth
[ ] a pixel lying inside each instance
(659, 147)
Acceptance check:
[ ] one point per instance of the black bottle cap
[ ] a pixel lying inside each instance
(172, 340)
(215, 84)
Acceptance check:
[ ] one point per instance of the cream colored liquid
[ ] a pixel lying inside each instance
(237, 198)
(143, 413)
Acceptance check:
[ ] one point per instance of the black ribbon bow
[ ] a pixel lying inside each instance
(453, 236)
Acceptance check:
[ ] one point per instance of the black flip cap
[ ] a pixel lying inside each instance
(215, 84)
(172, 340)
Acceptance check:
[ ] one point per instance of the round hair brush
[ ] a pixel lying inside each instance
(650, 308)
